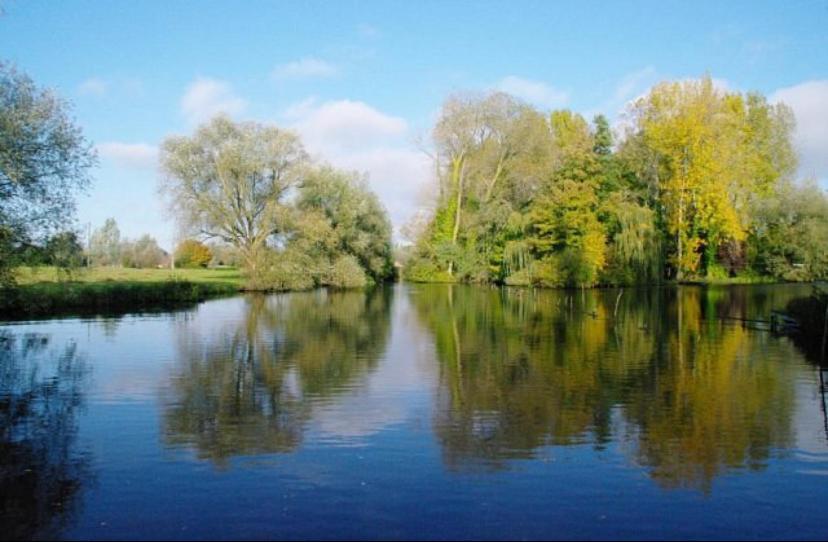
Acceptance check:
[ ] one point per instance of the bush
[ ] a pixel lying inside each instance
(423, 270)
(50, 298)
(283, 271)
(192, 253)
(143, 253)
(346, 273)
(519, 278)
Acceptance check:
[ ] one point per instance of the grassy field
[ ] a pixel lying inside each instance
(33, 275)
(41, 292)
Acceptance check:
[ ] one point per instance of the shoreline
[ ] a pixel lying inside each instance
(117, 291)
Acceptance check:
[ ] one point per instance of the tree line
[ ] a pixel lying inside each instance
(289, 221)
(700, 185)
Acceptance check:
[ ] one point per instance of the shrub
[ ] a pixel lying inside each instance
(192, 253)
(346, 273)
(282, 271)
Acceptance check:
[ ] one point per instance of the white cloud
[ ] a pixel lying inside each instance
(345, 124)
(129, 155)
(301, 108)
(535, 92)
(206, 98)
(809, 101)
(124, 87)
(355, 136)
(305, 67)
(94, 86)
(398, 175)
(631, 86)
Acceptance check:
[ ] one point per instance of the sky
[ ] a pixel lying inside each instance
(363, 81)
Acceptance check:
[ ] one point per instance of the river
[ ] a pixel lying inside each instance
(417, 411)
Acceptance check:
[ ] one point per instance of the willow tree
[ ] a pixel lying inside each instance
(230, 180)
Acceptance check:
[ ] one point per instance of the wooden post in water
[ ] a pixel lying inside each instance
(617, 299)
(824, 333)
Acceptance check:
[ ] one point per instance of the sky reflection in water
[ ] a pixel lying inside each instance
(416, 412)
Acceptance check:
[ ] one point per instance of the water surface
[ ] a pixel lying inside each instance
(441, 412)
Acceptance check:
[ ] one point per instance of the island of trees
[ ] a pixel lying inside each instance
(700, 186)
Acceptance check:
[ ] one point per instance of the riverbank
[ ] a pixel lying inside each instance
(710, 281)
(41, 292)
(811, 315)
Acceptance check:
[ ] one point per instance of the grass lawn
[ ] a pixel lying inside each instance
(33, 275)
(111, 290)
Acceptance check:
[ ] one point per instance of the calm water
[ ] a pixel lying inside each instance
(416, 412)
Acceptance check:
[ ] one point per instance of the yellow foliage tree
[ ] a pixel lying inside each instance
(711, 152)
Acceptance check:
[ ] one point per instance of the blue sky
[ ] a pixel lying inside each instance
(363, 81)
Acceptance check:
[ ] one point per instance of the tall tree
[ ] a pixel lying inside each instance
(357, 225)
(105, 244)
(44, 161)
(229, 181)
(709, 152)
(490, 155)
(603, 136)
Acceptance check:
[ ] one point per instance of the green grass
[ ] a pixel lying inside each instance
(33, 275)
(40, 292)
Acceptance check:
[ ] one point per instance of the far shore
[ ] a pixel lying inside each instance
(44, 292)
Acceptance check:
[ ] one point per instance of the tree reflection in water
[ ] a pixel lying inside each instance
(250, 390)
(41, 470)
(692, 395)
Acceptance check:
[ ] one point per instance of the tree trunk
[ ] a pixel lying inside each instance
(458, 165)
(493, 182)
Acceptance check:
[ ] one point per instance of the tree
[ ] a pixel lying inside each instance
(192, 253)
(65, 252)
(357, 223)
(603, 136)
(566, 230)
(224, 254)
(105, 244)
(142, 253)
(229, 181)
(707, 154)
(491, 154)
(44, 161)
(788, 239)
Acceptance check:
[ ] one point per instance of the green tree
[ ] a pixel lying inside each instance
(65, 252)
(359, 226)
(105, 244)
(44, 161)
(788, 239)
(527, 198)
(491, 153)
(603, 136)
(230, 180)
(144, 252)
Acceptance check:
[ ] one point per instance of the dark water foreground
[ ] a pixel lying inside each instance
(416, 412)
